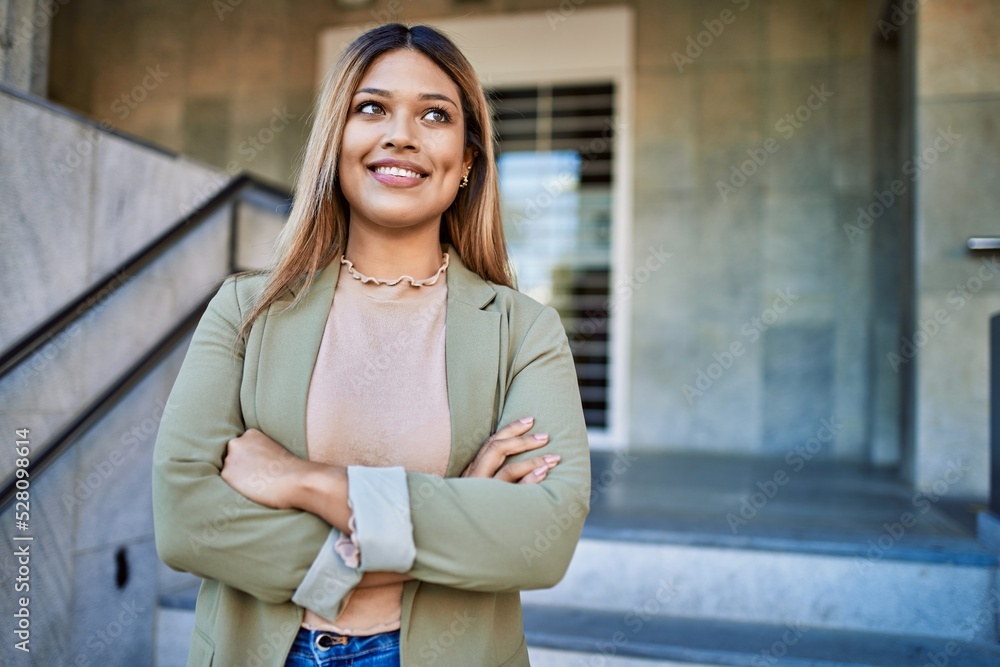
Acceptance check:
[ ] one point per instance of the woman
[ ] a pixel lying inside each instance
(332, 465)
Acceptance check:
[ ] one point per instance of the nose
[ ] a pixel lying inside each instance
(400, 133)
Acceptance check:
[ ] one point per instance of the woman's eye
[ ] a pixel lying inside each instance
(370, 108)
(438, 116)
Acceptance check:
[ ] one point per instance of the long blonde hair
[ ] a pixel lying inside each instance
(316, 231)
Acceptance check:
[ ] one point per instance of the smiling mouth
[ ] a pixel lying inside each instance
(398, 171)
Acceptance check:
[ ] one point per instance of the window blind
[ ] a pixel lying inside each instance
(555, 151)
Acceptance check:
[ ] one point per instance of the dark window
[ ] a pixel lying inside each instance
(555, 147)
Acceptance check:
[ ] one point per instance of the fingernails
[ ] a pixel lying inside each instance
(540, 471)
(526, 420)
(551, 459)
(541, 436)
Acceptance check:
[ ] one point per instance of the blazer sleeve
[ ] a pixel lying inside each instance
(201, 524)
(493, 536)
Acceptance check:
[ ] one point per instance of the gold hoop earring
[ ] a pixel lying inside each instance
(465, 180)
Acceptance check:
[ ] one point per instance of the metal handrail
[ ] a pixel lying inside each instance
(38, 337)
(979, 243)
(103, 404)
(994, 500)
(244, 187)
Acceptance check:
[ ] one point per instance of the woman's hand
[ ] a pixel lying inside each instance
(262, 470)
(512, 439)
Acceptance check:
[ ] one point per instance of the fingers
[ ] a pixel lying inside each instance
(536, 476)
(506, 442)
(530, 471)
(512, 429)
(485, 464)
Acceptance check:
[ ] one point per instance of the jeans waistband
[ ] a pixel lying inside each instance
(324, 643)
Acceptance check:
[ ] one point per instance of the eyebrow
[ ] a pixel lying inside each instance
(381, 92)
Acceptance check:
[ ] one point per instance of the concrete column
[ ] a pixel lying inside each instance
(956, 161)
(25, 31)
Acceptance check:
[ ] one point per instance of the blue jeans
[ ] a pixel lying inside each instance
(315, 648)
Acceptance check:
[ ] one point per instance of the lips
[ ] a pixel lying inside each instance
(397, 173)
(389, 167)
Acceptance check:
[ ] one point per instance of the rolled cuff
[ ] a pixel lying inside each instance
(380, 500)
(347, 547)
(329, 582)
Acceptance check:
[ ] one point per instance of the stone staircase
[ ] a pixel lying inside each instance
(565, 638)
(659, 578)
(824, 573)
(92, 338)
(690, 604)
(174, 617)
(695, 605)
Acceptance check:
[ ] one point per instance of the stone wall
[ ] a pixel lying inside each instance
(94, 569)
(95, 576)
(717, 83)
(77, 201)
(754, 149)
(26, 26)
(957, 141)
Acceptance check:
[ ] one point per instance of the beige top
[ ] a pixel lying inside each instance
(378, 397)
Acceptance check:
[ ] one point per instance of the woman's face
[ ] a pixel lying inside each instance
(403, 152)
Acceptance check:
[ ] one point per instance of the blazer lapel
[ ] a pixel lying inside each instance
(472, 354)
(289, 347)
(290, 344)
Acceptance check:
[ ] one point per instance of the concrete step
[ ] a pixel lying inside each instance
(173, 636)
(936, 592)
(174, 625)
(570, 637)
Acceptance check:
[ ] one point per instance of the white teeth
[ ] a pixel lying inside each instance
(396, 171)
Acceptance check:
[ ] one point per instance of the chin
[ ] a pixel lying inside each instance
(401, 219)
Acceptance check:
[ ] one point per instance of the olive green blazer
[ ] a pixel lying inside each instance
(478, 541)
